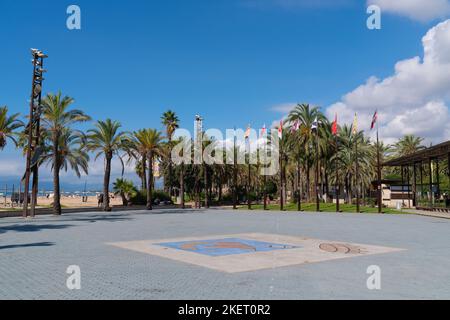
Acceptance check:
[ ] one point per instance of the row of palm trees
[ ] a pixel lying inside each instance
(63, 147)
(306, 155)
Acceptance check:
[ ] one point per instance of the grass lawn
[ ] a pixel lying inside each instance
(324, 207)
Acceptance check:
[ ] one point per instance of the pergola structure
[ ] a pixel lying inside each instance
(422, 162)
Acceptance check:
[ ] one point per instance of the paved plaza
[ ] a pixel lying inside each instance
(221, 254)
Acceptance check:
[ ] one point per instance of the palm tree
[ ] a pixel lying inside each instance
(306, 115)
(137, 150)
(125, 189)
(8, 124)
(408, 145)
(70, 152)
(186, 143)
(171, 122)
(148, 144)
(56, 119)
(108, 141)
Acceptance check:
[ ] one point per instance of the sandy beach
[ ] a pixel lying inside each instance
(67, 202)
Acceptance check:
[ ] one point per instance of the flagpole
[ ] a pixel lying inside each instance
(281, 176)
(317, 170)
(265, 176)
(357, 173)
(249, 202)
(380, 189)
(337, 187)
(234, 173)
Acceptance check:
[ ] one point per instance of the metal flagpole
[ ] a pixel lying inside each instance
(249, 201)
(380, 187)
(281, 177)
(357, 174)
(265, 176)
(317, 169)
(234, 172)
(337, 186)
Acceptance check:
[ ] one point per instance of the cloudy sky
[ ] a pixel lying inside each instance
(233, 61)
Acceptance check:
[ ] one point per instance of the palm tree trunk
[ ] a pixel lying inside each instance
(219, 187)
(205, 173)
(182, 186)
(144, 172)
(124, 199)
(150, 182)
(308, 183)
(56, 190)
(106, 179)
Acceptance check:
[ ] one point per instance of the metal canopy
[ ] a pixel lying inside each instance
(439, 152)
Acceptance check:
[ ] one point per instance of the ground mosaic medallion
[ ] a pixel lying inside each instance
(249, 252)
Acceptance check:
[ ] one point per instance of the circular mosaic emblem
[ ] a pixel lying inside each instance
(340, 248)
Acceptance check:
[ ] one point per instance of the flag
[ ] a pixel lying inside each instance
(247, 132)
(355, 125)
(374, 120)
(263, 131)
(315, 125)
(334, 126)
(280, 130)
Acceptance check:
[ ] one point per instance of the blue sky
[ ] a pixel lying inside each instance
(233, 61)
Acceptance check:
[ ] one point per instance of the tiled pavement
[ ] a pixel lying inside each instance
(34, 256)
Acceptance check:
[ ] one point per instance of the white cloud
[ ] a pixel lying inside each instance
(421, 10)
(284, 107)
(413, 99)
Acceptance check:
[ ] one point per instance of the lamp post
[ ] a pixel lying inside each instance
(33, 131)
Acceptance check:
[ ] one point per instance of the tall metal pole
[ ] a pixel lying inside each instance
(431, 182)
(408, 177)
(421, 180)
(35, 187)
(337, 186)
(448, 172)
(281, 177)
(30, 138)
(249, 201)
(438, 180)
(357, 174)
(380, 187)
(265, 176)
(234, 173)
(403, 185)
(317, 172)
(415, 184)
(299, 185)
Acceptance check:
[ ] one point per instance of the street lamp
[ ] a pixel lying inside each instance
(34, 131)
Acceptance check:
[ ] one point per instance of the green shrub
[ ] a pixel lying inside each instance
(140, 198)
